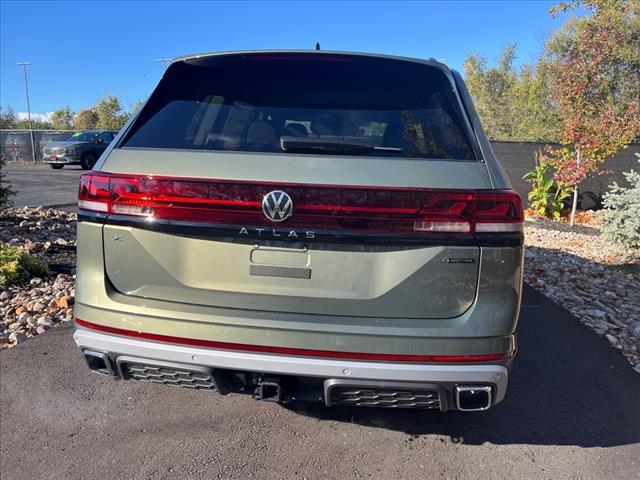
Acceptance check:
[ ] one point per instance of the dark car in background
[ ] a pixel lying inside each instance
(45, 138)
(82, 148)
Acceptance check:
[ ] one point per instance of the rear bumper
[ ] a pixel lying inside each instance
(332, 371)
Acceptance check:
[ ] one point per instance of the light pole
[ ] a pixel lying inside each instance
(24, 65)
(164, 62)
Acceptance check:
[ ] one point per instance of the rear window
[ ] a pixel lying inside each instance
(300, 103)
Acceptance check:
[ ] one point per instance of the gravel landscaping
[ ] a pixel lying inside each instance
(595, 280)
(42, 303)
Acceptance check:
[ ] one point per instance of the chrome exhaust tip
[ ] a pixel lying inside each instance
(473, 398)
(98, 362)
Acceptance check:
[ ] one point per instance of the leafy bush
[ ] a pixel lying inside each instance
(547, 196)
(5, 188)
(18, 265)
(621, 218)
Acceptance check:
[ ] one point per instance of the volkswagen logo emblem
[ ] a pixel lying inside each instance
(277, 206)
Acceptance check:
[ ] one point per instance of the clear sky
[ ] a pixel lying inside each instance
(81, 50)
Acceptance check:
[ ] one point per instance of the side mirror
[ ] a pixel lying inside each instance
(100, 141)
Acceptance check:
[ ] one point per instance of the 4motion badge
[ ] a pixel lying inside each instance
(458, 260)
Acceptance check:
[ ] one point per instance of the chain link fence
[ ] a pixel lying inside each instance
(15, 145)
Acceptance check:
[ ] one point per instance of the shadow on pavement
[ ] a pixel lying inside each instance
(567, 387)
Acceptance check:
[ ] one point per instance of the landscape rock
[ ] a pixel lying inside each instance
(44, 321)
(38, 307)
(17, 337)
(62, 302)
(15, 326)
(595, 313)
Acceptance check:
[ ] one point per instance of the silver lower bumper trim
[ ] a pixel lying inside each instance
(493, 374)
(60, 161)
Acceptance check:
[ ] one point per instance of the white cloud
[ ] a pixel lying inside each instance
(42, 117)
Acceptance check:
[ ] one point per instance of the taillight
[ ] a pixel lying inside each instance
(498, 211)
(329, 207)
(94, 194)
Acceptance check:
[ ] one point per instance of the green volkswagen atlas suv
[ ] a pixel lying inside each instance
(303, 226)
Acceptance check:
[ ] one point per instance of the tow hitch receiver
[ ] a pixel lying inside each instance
(268, 389)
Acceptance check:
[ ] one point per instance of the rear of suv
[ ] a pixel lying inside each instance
(303, 226)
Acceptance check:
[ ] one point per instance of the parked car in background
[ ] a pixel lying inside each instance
(303, 225)
(82, 148)
(48, 137)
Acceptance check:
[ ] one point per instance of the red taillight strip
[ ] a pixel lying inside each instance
(371, 209)
(391, 357)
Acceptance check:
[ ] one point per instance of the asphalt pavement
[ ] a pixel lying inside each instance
(38, 184)
(571, 412)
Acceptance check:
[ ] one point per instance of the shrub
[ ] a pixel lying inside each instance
(18, 265)
(5, 188)
(621, 217)
(547, 196)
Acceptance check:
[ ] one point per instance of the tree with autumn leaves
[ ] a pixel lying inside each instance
(594, 64)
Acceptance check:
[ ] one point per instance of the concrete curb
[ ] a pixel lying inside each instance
(60, 205)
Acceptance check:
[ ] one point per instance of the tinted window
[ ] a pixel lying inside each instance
(83, 137)
(252, 102)
(106, 137)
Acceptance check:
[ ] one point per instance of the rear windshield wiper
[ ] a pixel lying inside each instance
(320, 145)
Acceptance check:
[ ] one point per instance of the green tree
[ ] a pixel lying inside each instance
(513, 104)
(110, 113)
(137, 105)
(86, 119)
(490, 88)
(5, 187)
(535, 113)
(621, 220)
(594, 62)
(62, 119)
(35, 124)
(7, 117)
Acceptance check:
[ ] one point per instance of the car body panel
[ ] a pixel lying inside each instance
(412, 281)
(487, 326)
